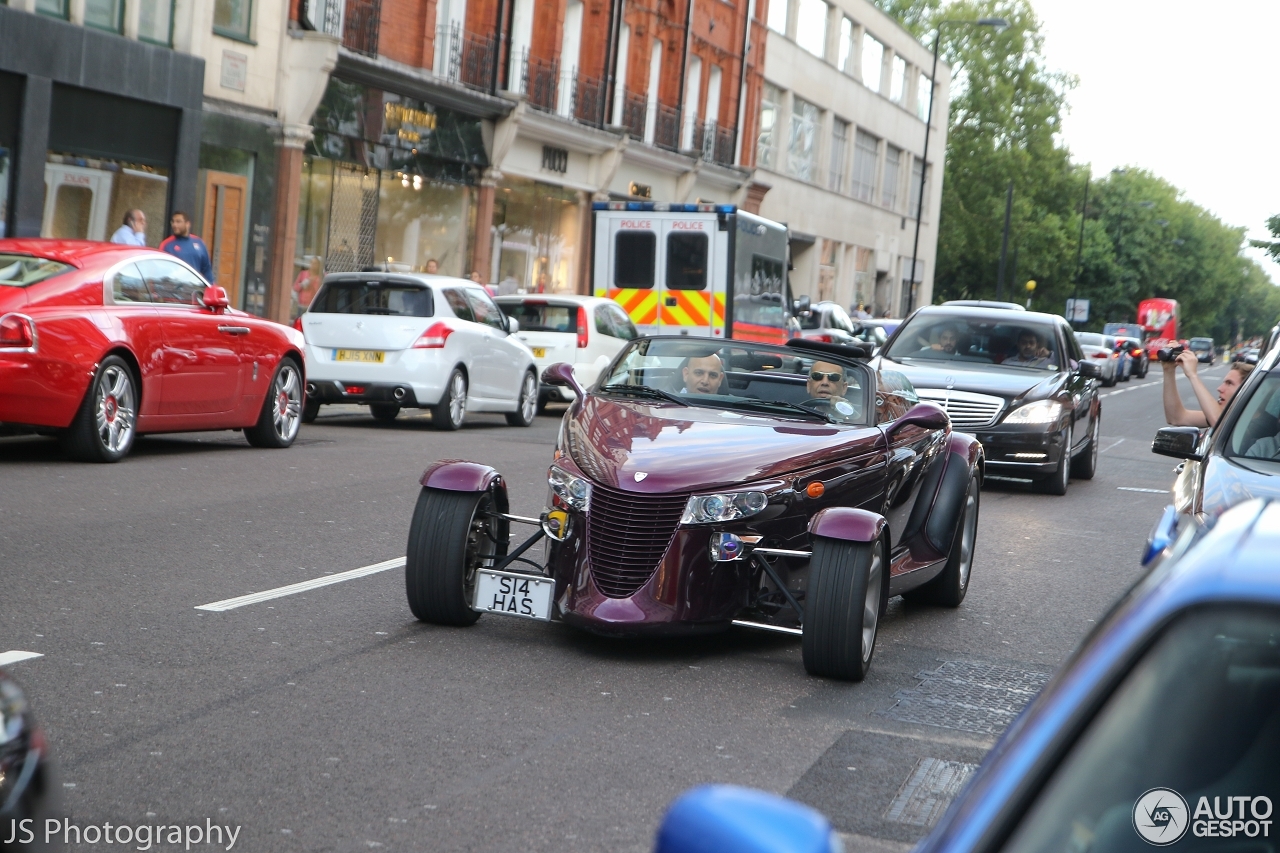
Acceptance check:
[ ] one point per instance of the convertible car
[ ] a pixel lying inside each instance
(702, 484)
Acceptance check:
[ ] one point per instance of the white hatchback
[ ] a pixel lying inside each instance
(585, 331)
(402, 340)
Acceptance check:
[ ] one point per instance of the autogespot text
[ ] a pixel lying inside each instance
(142, 837)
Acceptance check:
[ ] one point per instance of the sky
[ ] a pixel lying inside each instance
(1184, 90)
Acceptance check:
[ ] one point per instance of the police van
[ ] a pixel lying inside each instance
(694, 269)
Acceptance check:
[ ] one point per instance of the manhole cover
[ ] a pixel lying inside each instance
(972, 697)
(930, 788)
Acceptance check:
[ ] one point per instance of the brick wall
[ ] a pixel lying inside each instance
(407, 31)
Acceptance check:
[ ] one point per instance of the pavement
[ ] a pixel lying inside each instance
(328, 719)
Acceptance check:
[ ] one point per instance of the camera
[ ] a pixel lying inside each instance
(1170, 353)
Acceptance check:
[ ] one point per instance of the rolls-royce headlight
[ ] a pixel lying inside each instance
(574, 491)
(1039, 412)
(706, 509)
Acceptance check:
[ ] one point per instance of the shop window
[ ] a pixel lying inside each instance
(633, 258)
(536, 237)
(88, 198)
(53, 8)
(104, 14)
(686, 261)
(155, 21)
(72, 208)
(421, 220)
(231, 18)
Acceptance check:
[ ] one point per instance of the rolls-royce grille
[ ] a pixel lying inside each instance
(966, 409)
(627, 534)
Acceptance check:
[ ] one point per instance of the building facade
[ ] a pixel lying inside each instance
(841, 144)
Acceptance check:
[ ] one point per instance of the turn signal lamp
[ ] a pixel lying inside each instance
(17, 331)
(582, 327)
(815, 490)
(434, 337)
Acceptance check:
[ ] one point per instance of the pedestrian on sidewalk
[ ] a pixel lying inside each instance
(134, 230)
(183, 244)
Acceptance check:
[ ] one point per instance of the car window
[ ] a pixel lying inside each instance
(392, 298)
(537, 315)
(23, 270)
(633, 258)
(1256, 433)
(1019, 343)
(604, 323)
(170, 283)
(1198, 717)
(484, 308)
(127, 286)
(687, 261)
(895, 395)
(458, 303)
(622, 326)
(1074, 353)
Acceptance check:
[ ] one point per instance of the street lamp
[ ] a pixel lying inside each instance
(999, 24)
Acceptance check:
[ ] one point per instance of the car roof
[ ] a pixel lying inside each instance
(551, 298)
(1004, 315)
(986, 303)
(414, 277)
(78, 253)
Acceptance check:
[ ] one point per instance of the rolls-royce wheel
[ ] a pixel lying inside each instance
(527, 405)
(949, 588)
(449, 538)
(105, 426)
(1085, 465)
(281, 415)
(310, 410)
(384, 413)
(847, 587)
(451, 411)
(1056, 483)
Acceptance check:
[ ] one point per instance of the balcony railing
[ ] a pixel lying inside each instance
(468, 57)
(634, 111)
(325, 15)
(360, 28)
(714, 143)
(666, 127)
(588, 99)
(540, 80)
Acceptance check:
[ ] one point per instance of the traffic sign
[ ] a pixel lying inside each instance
(1078, 310)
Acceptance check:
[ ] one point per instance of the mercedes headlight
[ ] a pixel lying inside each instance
(1039, 412)
(705, 509)
(574, 491)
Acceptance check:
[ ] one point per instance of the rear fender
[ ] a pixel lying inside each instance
(457, 475)
(964, 455)
(848, 524)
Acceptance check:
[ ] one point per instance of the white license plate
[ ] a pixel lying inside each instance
(514, 594)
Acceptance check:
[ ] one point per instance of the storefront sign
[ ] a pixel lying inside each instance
(555, 159)
(235, 70)
(408, 124)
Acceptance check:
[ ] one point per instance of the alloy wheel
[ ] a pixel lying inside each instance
(115, 410)
(482, 544)
(1066, 459)
(528, 398)
(457, 399)
(286, 408)
(871, 604)
(969, 534)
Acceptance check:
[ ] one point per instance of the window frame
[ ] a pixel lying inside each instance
(618, 266)
(119, 27)
(886, 185)
(168, 42)
(687, 237)
(769, 21)
(801, 119)
(767, 141)
(246, 36)
(873, 157)
(65, 15)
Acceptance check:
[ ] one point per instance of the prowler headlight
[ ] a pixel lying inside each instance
(574, 491)
(707, 509)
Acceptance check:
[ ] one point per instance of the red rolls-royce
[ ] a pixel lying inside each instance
(100, 343)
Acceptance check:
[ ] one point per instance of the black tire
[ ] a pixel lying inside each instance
(310, 410)
(526, 403)
(106, 424)
(1057, 482)
(1085, 465)
(1109, 383)
(447, 540)
(950, 587)
(847, 591)
(384, 412)
(281, 415)
(451, 411)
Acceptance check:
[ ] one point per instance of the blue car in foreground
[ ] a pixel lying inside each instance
(1163, 729)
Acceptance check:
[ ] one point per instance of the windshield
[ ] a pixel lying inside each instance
(22, 270)
(393, 298)
(538, 316)
(1256, 433)
(938, 337)
(1201, 344)
(756, 378)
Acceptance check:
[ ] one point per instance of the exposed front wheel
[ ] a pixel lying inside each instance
(1084, 466)
(527, 404)
(281, 415)
(106, 424)
(449, 538)
(847, 585)
(950, 587)
(1056, 483)
(451, 411)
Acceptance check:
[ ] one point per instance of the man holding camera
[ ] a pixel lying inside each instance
(1210, 406)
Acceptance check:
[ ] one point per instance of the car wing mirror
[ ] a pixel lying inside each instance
(561, 375)
(1090, 369)
(924, 415)
(215, 298)
(727, 817)
(1180, 442)
(513, 325)
(803, 305)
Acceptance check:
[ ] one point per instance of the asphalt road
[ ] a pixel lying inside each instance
(331, 720)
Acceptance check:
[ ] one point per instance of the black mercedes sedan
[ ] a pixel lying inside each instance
(1017, 380)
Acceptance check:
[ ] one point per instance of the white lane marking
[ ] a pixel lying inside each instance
(7, 658)
(1105, 449)
(291, 589)
(1148, 491)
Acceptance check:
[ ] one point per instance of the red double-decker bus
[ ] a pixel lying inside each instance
(1159, 321)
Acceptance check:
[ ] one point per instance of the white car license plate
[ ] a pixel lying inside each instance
(514, 594)
(364, 355)
(539, 352)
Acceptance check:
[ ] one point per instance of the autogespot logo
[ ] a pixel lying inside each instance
(1160, 816)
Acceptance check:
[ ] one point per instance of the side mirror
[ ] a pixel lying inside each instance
(924, 415)
(1180, 442)
(215, 298)
(513, 325)
(561, 375)
(727, 817)
(1090, 369)
(803, 304)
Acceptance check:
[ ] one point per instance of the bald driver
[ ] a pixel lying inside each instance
(702, 375)
(827, 381)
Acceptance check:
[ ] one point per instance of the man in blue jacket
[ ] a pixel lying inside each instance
(183, 244)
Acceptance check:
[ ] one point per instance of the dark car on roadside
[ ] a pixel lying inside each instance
(1236, 461)
(1203, 349)
(1170, 707)
(1016, 380)
(26, 784)
(1138, 363)
(704, 484)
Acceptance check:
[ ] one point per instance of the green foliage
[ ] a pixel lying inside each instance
(1141, 238)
